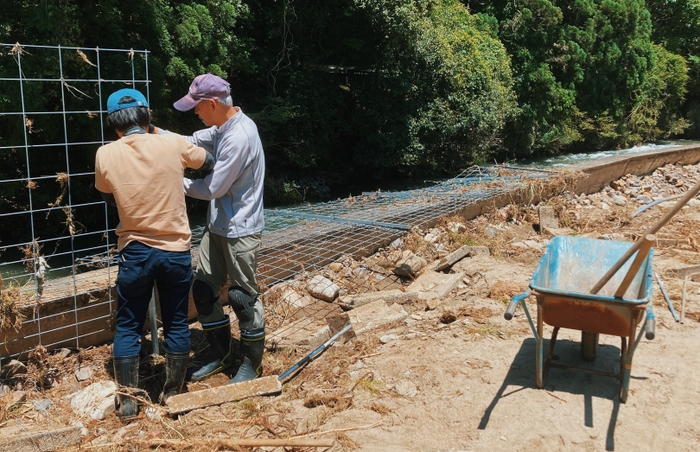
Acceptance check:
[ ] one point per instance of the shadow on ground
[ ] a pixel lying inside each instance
(521, 375)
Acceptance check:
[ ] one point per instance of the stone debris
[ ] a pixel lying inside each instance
(83, 373)
(322, 288)
(406, 388)
(390, 296)
(548, 218)
(409, 264)
(432, 284)
(374, 315)
(95, 401)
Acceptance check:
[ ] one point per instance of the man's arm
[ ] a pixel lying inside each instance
(226, 170)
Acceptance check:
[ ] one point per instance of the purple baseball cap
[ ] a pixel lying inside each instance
(205, 86)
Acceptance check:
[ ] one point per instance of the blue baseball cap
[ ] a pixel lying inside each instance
(113, 100)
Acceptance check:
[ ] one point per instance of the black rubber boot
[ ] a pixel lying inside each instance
(252, 348)
(175, 370)
(220, 353)
(126, 371)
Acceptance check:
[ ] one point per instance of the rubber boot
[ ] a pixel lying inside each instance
(220, 353)
(252, 348)
(175, 370)
(126, 371)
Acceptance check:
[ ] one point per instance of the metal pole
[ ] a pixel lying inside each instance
(154, 323)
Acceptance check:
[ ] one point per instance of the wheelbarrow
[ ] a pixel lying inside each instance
(561, 283)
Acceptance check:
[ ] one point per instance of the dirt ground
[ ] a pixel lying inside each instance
(455, 375)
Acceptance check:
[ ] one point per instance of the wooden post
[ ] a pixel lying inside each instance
(647, 242)
(652, 230)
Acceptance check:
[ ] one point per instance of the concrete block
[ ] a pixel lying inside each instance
(548, 219)
(46, 439)
(374, 315)
(459, 254)
(433, 284)
(182, 403)
(389, 296)
(96, 400)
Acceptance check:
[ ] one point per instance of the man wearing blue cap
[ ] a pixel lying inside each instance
(141, 173)
(232, 237)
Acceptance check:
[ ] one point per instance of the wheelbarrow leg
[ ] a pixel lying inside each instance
(624, 371)
(589, 345)
(626, 358)
(539, 364)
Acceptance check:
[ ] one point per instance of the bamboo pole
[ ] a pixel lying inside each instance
(652, 230)
(642, 254)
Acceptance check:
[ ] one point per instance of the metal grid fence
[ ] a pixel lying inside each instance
(51, 124)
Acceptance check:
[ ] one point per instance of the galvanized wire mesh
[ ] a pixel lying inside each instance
(67, 277)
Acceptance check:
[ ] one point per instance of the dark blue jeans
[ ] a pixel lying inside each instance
(140, 266)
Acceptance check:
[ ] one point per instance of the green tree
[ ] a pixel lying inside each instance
(676, 27)
(587, 74)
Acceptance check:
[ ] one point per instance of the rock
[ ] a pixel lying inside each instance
(409, 264)
(548, 218)
(83, 373)
(335, 266)
(388, 338)
(619, 200)
(42, 405)
(490, 232)
(644, 199)
(96, 400)
(455, 227)
(289, 295)
(433, 303)
(406, 389)
(11, 369)
(322, 288)
(432, 236)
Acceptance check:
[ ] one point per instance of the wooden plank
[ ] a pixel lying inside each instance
(182, 403)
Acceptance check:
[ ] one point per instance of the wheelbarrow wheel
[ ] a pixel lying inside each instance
(589, 345)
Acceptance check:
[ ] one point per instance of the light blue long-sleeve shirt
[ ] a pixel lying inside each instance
(235, 186)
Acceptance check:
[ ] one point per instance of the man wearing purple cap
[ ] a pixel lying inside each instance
(232, 237)
(141, 174)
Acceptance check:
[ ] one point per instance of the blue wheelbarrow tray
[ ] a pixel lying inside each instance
(569, 268)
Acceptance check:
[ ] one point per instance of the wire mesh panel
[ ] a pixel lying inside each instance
(56, 240)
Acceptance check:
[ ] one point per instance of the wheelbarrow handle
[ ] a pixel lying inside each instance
(650, 325)
(514, 303)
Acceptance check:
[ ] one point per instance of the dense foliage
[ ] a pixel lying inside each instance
(344, 91)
